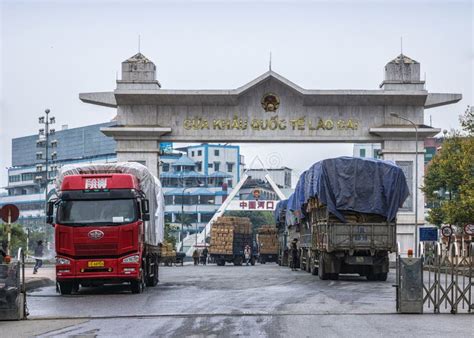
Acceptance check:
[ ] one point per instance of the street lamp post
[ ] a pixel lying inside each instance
(44, 141)
(416, 178)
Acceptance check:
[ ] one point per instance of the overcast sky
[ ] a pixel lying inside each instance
(53, 50)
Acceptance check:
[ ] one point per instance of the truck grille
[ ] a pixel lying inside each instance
(95, 249)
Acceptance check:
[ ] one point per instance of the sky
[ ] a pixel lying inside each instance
(53, 50)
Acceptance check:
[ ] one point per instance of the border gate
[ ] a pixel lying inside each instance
(447, 281)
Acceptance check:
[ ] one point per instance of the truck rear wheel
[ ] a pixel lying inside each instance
(238, 261)
(323, 275)
(65, 288)
(220, 262)
(152, 278)
(252, 261)
(382, 276)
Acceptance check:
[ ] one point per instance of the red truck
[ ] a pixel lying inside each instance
(109, 222)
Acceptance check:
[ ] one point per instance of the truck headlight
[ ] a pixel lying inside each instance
(62, 261)
(131, 259)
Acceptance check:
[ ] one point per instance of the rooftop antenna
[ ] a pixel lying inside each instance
(401, 45)
(270, 62)
(139, 43)
(431, 121)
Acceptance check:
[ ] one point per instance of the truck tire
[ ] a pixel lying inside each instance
(238, 261)
(220, 262)
(65, 288)
(382, 276)
(252, 261)
(153, 269)
(137, 286)
(323, 275)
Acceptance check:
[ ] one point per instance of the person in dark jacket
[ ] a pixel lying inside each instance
(294, 254)
(205, 252)
(3, 251)
(38, 254)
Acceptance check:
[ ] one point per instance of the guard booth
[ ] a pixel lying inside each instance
(12, 289)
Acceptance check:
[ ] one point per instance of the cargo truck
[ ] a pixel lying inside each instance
(267, 241)
(343, 213)
(109, 225)
(229, 237)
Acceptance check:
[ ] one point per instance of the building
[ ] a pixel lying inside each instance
(196, 181)
(367, 150)
(281, 176)
(76, 145)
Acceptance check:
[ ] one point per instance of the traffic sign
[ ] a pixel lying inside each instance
(447, 231)
(9, 210)
(469, 229)
(428, 234)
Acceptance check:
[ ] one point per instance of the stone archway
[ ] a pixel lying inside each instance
(271, 108)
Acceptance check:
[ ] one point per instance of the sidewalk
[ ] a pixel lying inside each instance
(46, 276)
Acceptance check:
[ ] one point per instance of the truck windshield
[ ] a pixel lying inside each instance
(106, 212)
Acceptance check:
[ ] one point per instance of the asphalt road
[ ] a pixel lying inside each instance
(264, 300)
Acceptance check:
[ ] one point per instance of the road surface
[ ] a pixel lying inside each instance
(263, 300)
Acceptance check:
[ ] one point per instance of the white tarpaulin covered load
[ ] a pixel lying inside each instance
(149, 184)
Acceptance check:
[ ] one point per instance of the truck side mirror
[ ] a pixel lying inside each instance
(145, 210)
(145, 206)
(50, 212)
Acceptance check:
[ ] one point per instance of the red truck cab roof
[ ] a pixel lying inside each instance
(100, 182)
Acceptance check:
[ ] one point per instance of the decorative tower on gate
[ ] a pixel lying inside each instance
(402, 73)
(138, 72)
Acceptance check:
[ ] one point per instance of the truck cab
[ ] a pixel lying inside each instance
(99, 226)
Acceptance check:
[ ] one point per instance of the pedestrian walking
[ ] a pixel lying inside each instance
(3, 251)
(247, 254)
(196, 256)
(38, 255)
(294, 254)
(205, 252)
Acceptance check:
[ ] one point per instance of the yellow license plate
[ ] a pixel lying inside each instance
(95, 264)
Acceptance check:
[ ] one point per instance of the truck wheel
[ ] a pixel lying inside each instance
(252, 261)
(65, 288)
(371, 276)
(382, 276)
(323, 275)
(137, 286)
(220, 262)
(238, 261)
(153, 280)
(333, 276)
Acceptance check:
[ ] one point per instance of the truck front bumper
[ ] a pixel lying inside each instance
(110, 269)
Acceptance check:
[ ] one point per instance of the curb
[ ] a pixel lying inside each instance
(38, 283)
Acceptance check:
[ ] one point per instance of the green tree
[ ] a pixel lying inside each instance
(169, 235)
(18, 237)
(449, 179)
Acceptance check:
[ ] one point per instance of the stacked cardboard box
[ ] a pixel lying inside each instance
(167, 250)
(227, 233)
(268, 239)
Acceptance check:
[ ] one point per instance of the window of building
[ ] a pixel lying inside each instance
(192, 153)
(361, 152)
(28, 176)
(168, 218)
(210, 165)
(14, 178)
(217, 166)
(199, 152)
(229, 183)
(198, 166)
(207, 199)
(407, 167)
(230, 167)
(168, 200)
(165, 167)
(216, 152)
(205, 218)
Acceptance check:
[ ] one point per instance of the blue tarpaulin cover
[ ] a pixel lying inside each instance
(352, 184)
